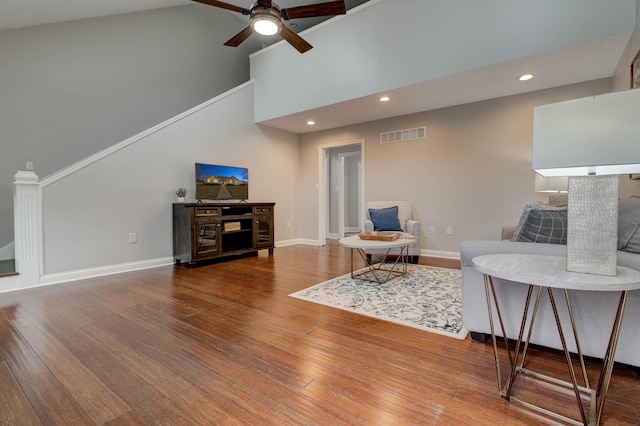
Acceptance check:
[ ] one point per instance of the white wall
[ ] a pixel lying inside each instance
(69, 90)
(388, 44)
(89, 214)
(472, 172)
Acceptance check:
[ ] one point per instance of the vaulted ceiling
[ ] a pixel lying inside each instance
(564, 66)
(26, 13)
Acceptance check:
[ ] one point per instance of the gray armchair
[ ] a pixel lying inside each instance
(408, 225)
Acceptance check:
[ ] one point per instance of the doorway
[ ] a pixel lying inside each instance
(341, 189)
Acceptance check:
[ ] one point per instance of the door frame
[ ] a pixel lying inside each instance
(323, 183)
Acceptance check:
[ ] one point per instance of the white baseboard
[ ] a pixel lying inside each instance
(9, 283)
(13, 282)
(286, 243)
(310, 242)
(441, 254)
(100, 271)
(61, 277)
(294, 242)
(7, 252)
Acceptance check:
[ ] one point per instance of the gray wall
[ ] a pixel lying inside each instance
(89, 213)
(69, 90)
(472, 172)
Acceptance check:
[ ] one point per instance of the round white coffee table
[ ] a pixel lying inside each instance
(384, 270)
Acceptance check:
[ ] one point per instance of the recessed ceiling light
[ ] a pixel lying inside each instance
(525, 77)
(310, 122)
(384, 99)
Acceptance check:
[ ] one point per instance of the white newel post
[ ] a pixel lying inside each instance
(26, 213)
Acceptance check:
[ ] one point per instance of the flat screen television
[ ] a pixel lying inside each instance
(215, 182)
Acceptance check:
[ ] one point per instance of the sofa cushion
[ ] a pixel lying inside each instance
(629, 224)
(544, 226)
(385, 219)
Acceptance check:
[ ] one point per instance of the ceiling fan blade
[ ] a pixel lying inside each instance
(225, 6)
(240, 37)
(329, 8)
(295, 40)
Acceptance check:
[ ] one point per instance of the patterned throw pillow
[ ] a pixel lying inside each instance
(523, 218)
(525, 214)
(544, 226)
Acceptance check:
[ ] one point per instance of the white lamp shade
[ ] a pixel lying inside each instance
(595, 135)
(584, 138)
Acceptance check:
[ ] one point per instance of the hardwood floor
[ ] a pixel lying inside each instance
(224, 344)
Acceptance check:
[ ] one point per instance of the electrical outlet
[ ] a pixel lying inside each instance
(449, 230)
(432, 230)
(133, 238)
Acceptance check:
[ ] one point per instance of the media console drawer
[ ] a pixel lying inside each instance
(207, 212)
(210, 230)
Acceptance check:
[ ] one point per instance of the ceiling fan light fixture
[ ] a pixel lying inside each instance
(266, 18)
(266, 24)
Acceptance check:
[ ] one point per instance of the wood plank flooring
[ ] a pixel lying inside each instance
(224, 344)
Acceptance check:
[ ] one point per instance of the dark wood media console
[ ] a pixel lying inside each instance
(203, 231)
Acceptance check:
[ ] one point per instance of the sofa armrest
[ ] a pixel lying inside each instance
(368, 225)
(413, 228)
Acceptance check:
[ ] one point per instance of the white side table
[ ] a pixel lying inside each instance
(547, 272)
(382, 271)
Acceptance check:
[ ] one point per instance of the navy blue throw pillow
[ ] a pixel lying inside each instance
(385, 219)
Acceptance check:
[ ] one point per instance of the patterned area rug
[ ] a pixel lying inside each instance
(426, 297)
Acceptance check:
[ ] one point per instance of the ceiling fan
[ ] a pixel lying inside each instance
(265, 17)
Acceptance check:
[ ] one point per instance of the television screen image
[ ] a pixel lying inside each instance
(221, 182)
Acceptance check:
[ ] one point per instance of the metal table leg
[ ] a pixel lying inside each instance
(381, 272)
(597, 397)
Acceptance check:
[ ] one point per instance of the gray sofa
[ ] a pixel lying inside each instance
(594, 311)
